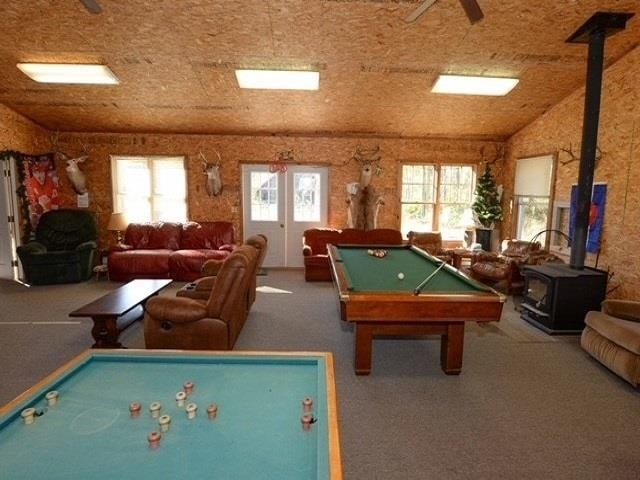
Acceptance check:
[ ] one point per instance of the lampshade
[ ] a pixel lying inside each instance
(117, 222)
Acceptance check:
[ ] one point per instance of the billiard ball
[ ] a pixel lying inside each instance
(401, 276)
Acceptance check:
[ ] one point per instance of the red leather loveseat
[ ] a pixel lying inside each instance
(169, 250)
(315, 240)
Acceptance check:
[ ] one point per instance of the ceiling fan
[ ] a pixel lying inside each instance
(471, 8)
(92, 6)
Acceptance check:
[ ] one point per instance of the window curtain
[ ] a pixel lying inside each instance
(533, 176)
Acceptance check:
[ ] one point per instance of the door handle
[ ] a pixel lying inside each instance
(282, 225)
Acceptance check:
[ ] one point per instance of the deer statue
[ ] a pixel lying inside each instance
(212, 171)
(363, 202)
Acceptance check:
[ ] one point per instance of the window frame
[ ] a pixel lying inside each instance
(150, 159)
(552, 159)
(437, 203)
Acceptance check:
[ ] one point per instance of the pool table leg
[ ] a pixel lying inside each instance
(363, 348)
(451, 347)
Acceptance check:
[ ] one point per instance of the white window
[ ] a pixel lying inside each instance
(437, 198)
(306, 198)
(264, 196)
(531, 191)
(149, 188)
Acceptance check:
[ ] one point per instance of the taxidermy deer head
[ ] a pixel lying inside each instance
(75, 175)
(369, 161)
(212, 171)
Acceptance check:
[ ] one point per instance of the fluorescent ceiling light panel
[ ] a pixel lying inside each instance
(468, 85)
(69, 73)
(278, 79)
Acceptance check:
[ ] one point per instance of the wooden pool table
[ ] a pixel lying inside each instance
(379, 303)
(257, 432)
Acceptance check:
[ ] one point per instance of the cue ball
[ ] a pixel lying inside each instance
(401, 276)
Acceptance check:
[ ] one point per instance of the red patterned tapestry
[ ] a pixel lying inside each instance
(38, 189)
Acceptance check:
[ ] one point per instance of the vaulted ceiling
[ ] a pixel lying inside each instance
(176, 58)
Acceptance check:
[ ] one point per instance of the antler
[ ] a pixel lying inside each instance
(573, 158)
(498, 155)
(54, 140)
(367, 156)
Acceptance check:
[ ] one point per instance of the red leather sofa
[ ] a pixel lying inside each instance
(169, 250)
(315, 240)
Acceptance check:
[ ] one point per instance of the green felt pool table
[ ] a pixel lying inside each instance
(379, 303)
(256, 433)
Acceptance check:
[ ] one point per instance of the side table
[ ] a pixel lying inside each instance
(99, 270)
(460, 254)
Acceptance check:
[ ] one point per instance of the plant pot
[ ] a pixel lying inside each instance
(483, 237)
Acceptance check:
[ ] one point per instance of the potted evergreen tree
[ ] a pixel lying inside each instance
(486, 208)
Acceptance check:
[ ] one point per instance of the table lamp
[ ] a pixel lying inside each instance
(117, 223)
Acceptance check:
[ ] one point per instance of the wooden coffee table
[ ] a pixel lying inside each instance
(118, 309)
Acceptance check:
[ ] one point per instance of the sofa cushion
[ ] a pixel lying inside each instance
(141, 263)
(186, 265)
(137, 235)
(621, 332)
(317, 239)
(165, 235)
(65, 229)
(211, 235)
(612, 355)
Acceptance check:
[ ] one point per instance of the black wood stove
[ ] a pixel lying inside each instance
(557, 297)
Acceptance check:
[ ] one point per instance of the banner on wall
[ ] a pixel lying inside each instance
(596, 215)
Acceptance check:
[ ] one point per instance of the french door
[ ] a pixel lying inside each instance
(8, 234)
(282, 205)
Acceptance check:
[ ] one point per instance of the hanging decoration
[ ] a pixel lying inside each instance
(38, 188)
(279, 164)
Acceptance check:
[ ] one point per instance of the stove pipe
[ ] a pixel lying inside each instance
(593, 31)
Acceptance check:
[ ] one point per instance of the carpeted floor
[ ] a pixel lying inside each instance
(527, 405)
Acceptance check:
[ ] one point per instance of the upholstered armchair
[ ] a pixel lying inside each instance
(505, 267)
(188, 324)
(431, 242)
(612, 336)
(63, 250)
(201, 288)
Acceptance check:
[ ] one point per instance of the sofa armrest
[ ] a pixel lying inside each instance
(624, 309)
(306, 251)
(32, 248)
(176, 309)
(227, 247)
(205, 284)
(483, 256)
(120, 247)
(211, 268)
(90, 245)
